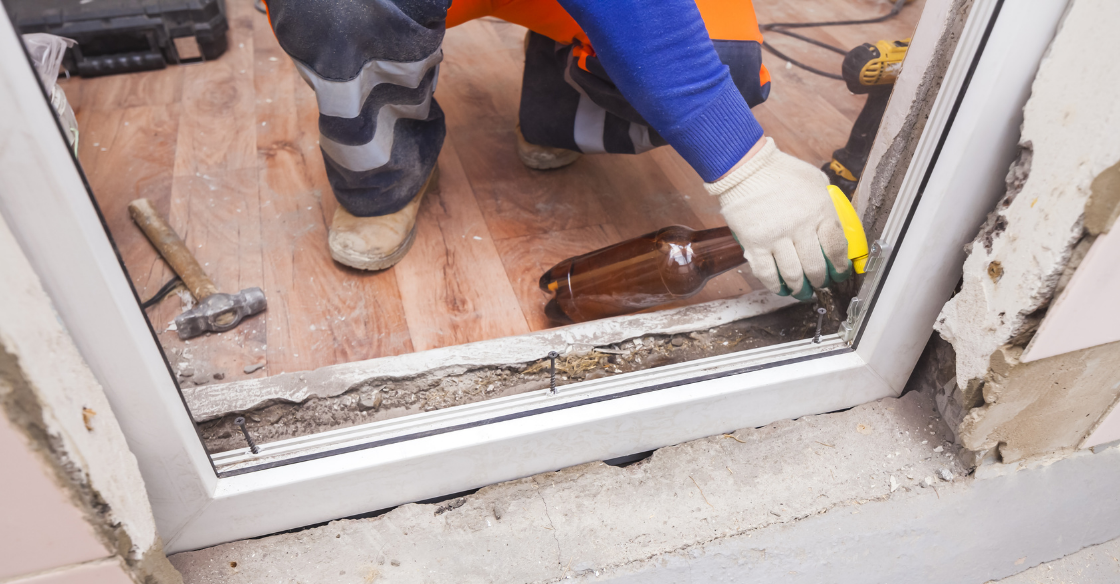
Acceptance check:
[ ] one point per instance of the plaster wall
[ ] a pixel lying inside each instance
(40, 527)
(1030, 247)
(60, 440)
(111, 570)
(1085, 313)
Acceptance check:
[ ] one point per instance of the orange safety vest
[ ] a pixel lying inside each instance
(730, 20)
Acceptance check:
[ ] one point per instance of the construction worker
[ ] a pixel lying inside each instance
(619, 76)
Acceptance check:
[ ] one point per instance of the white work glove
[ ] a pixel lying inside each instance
(779, 209)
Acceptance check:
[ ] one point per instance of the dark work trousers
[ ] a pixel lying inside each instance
(568, 106)
(374, 63)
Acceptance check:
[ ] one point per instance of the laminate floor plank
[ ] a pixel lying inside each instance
(848, 36)
(690, 187)
(793, 82)
(806, 126)
(320, 312)
(480, 91)
(528, 256)
(218, 218)
(218, 130)
(129, 154)
(454, 286)
(111, 92)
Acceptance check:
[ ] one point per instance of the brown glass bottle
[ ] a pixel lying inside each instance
(669, 264)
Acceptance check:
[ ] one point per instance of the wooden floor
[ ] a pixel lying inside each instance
(228, 151)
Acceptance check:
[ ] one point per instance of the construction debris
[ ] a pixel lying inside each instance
(370, 401)
(440, 389)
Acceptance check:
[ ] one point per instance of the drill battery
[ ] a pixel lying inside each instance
(870, 66)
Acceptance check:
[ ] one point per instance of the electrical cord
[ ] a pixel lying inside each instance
(781, 28)
(161, 294)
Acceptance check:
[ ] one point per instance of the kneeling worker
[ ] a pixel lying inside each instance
(619, 76)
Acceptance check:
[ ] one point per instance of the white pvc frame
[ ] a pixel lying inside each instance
(45, 202)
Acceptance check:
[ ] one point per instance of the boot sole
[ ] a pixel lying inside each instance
(543, 158)
(536, 164)
(365, 263)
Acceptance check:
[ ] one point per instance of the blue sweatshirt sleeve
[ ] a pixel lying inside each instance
(660, 57)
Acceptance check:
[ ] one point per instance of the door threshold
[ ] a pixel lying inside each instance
(208, 402)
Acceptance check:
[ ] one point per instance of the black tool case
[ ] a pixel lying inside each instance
(122, 36)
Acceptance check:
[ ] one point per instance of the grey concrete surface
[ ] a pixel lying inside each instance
(1099, 564)
(595, 518)
(829, 498)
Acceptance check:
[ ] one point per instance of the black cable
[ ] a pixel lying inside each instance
(810, 40)
(782, 55)
(161, 294)
(779, 27)
(894, 12)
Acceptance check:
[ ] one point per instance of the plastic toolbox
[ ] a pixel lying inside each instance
(122, 36)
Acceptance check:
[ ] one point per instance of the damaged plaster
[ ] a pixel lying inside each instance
(1044, 406)
(381, 397)
(49, 394)
(1104, 201)
(1029, 248)
(1069, 128)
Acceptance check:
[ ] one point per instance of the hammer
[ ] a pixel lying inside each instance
(216, 312)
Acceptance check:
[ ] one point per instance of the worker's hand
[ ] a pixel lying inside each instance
(779, 209)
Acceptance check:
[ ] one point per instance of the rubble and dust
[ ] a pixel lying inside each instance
(382, 398)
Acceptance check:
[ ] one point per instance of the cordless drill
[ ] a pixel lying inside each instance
(869, 69)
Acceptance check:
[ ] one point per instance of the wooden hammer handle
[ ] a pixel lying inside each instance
(167, 242)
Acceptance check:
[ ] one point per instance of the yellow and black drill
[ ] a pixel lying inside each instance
(868, 69)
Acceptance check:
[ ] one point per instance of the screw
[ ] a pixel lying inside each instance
(552, 355)
(820, 322)
(240, 423)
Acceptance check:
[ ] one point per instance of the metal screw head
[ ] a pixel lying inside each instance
(239, 421)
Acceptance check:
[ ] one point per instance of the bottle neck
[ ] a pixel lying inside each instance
(718, 251)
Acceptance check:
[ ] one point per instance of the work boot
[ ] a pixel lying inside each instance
(376, 243)
(542, 157)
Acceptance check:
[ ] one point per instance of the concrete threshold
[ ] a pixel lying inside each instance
(872, 494)
(1099, 564)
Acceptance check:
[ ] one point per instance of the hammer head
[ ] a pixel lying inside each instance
(220, 312)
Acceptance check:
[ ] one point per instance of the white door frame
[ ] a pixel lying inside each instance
(954, 180)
